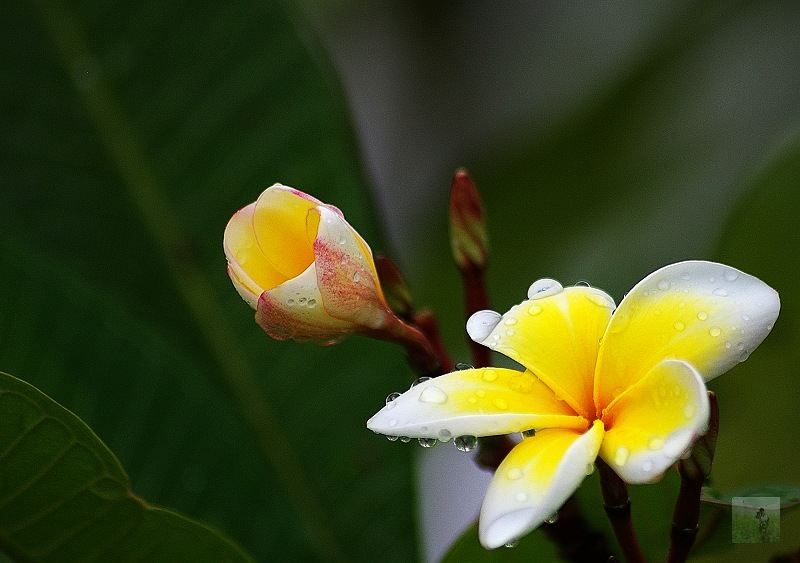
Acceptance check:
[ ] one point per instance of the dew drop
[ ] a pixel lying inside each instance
(745, 317)
(715, 331)
(712, 279)
(744, 355)
(419, 380)
(290, 302)
(534, 309)
(528, 433)
(501, 404)
(393, 422)
(465, 443)
(621, 457)
(405, 439)
(589, 468)
(730, 275)
(461, 366)
(433, 394)
(357, 277)
(510, 321)
(600, 300)
(391, 438)
(489, 375)
(514, 474)
(391, 397)
(727, 345)
(686, 276)
(740, 346)
(688, 411)
(552, 519)
(312, 303)
(302, 300)
(445, 435)
(472, 399)
(510, 332)
(544, 287)
(663, 285)
(521, 497)
(647, 466)
(481, 324)
(512, 543)
(342, 240)
(427, 442)
(679, 325)
(720, 292)
(702, 315)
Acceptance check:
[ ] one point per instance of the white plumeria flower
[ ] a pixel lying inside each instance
(625, 384)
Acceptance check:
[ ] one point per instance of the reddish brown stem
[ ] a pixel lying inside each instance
(617, 504)
(693, 472)
(476, 299)
(425, 320)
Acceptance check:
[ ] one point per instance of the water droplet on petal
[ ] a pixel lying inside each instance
(481, 324)
(689, 410)
(544, 287)
(663, 285)
(393, 422)
(342, 240)
(528, 433)
(715, 331)
(600, 300)
(390, 398)
(501, 404)
(302, 300)
(461, 366)
(534, 309)
(514, 474)
(489, 375)
(433, 394)
(679, 325)
(552, 519)
(720, 292)
(589, 468)
(510, 321)
(357, 277)
(512, 543)
(427, 442)
(391, 438)
(621, 457)
(405, 439)
(702, 315)
(730, 275)
(419, 380)
(465, 443)
(445, 435)
(744, 355)
(647, 466)
(521, 497)
(686, 276)
(290, 302)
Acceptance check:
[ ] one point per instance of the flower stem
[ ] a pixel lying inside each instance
(693, 471)
(617, 504)
(425, 353)
(476, 299)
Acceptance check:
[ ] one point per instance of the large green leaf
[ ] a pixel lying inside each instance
(132, 131)
(64, 496)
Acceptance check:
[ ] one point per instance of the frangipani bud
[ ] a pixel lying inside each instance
(308, 274)
(468, 239)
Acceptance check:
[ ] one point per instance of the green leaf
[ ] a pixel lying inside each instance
(65, 497)
(132, 133)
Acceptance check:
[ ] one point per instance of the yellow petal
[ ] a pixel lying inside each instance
(534, 480)
(280, 227)
(346, 272)
(650, 425)
(556, 335)
(249, 269)
(709, 315)
(476, 402)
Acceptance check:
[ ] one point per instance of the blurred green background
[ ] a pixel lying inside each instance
(607, 138)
